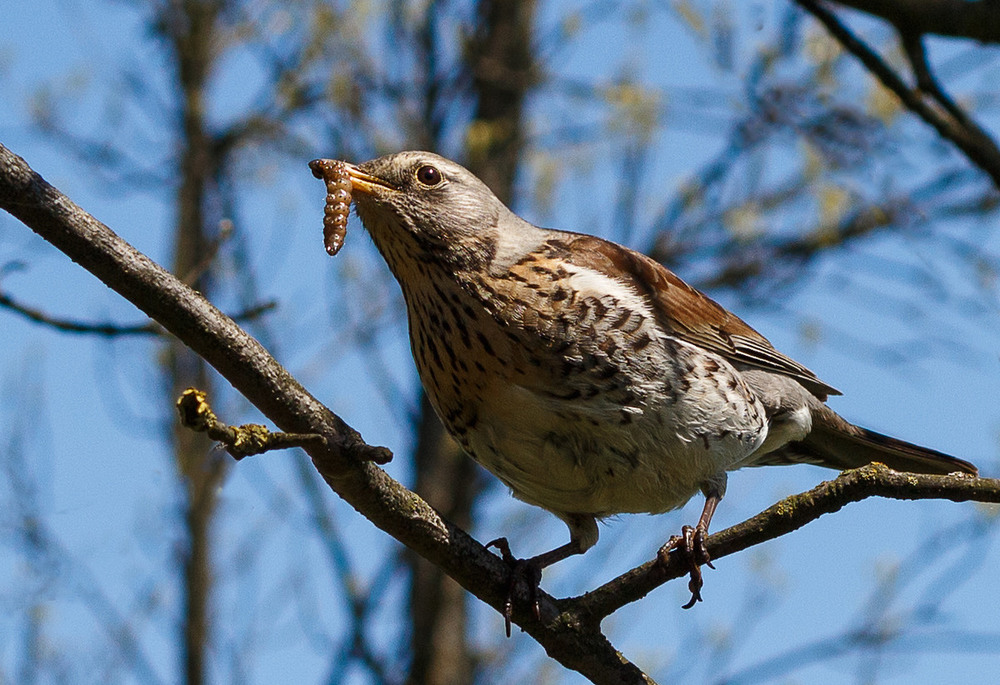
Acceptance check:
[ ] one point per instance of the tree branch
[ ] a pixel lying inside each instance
(965, 134)
(240, 441)
(109, 329)
(791, 513)
(916, 53)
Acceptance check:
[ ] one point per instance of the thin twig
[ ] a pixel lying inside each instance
(108, 329)
(240, 441)
(873, 480)
(211, 252)
(916, 53)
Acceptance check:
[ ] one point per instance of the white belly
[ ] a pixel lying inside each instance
(575, 456)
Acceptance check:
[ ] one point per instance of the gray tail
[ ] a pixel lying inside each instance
(849, 450)
(837, 444)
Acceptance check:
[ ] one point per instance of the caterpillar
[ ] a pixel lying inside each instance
(338, 201)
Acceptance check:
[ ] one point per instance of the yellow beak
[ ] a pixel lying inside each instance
(365, 183)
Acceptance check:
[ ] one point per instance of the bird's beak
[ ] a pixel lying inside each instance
(326, 169)
(365, 183)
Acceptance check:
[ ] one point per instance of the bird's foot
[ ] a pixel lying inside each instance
(691, 544)
(530, 570)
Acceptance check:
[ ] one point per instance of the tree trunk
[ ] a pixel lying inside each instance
(190, 28)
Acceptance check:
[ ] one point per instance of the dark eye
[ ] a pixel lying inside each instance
(429, 176)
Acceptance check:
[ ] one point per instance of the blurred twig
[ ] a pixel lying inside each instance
(968, 136)
(108, 329)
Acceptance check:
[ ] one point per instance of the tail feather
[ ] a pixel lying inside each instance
(838, 444)
(840, 450)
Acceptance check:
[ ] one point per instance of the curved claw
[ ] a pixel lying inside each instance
(691, 544)
(528, 569)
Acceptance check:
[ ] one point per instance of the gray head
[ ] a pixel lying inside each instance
(421, 206)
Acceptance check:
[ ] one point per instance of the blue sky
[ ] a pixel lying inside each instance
(106, 485)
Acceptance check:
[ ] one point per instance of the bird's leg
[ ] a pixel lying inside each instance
(691, 544)
(531, 571)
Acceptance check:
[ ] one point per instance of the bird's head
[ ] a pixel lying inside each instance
(418, 205)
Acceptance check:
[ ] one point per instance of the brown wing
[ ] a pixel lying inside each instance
(685, 312)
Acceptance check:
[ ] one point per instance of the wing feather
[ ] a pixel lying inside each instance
(682, 310)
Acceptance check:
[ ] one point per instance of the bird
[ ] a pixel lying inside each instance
(587, 377)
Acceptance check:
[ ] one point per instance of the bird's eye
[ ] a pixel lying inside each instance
(429, 175)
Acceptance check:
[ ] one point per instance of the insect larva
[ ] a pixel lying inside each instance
(338, 201)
